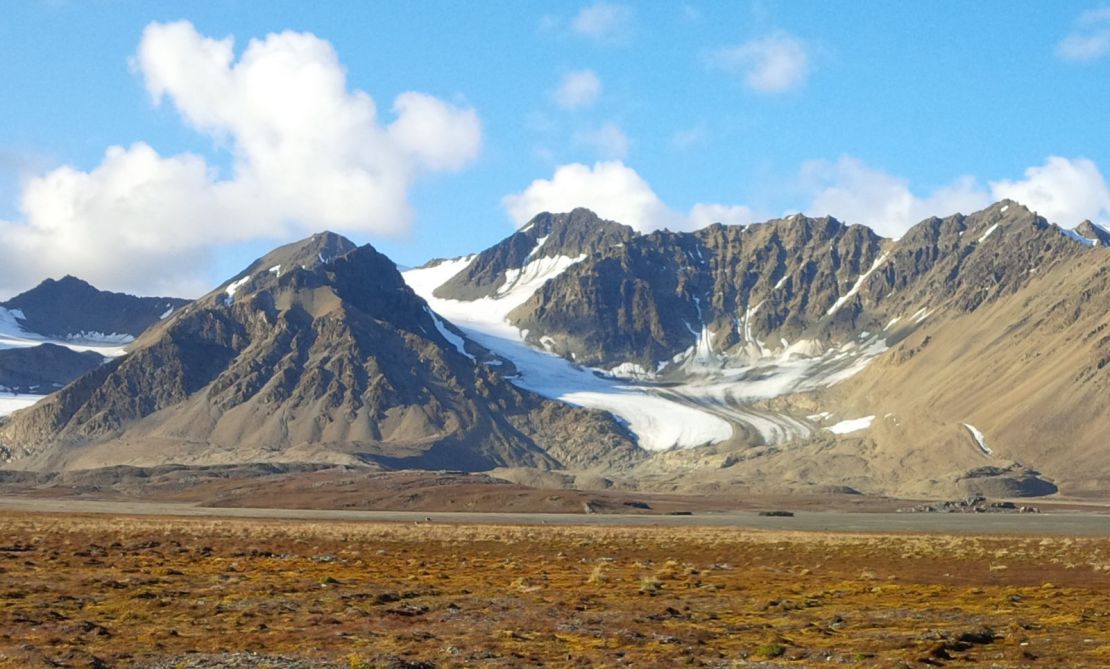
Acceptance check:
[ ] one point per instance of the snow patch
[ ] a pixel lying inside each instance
(852, 425)
(233, 287)
(1075, 236)
(988, 233)
(11, 402)
(536, 249)
(521, 283)
(856, 287)
(166, 314)
(980, 440)
(455, 340)
(13, 335)
(629, 370)
(920, 315)
(276, 269)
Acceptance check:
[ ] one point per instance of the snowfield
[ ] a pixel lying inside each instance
(10, 402)
(12, 335)
(705, 408)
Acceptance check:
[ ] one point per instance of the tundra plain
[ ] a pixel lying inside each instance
(85, 590)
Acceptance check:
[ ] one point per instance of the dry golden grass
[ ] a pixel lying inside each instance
(100, 591)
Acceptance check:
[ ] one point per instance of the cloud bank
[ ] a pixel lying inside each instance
(1064, 190)
(306, 153)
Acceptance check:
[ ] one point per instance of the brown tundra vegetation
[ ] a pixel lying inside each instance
(83, 591)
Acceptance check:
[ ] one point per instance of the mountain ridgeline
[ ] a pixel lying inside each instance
(793, 328)
(71, 308)
(799, 354)
(758, 289)
(317, 352)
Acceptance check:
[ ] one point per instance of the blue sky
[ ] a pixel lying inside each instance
(876, 112)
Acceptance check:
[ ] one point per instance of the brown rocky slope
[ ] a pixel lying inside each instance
(317, 352)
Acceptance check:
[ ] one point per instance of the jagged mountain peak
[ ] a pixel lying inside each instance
(1093, 232)
(571, 235)
(310, 252)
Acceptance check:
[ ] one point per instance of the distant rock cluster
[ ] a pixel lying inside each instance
(972, 504)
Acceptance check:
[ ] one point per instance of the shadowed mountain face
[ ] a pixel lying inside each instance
(318, 352)
(44, 368)
(69, 307)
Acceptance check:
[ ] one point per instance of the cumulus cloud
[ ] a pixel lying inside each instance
(607, 141)
(580, 88)
(854, 192)
(613, 191)
(1065, 191)
(1090, 39)
(307, 153)
(774, 63)
(603, 22)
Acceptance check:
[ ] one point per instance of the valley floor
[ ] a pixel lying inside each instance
(110, 590)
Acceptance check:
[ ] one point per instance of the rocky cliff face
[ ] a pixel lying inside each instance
(654, 300)
(44, 368)
(318, 352)
(662, 299)
(838, 357)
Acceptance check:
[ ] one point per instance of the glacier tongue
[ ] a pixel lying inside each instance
(659, 423)
(713, 395)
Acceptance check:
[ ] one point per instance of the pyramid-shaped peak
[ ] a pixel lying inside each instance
(1094, 232)
(310, 252)
(579, 220)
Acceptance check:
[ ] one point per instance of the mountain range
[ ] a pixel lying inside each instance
(799, 354)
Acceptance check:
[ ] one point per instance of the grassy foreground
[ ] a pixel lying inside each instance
(167, 592)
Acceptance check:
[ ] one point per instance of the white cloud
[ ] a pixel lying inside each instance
(608, 140)
(580, 88)
(603, 22)
(613, 191)
(1090, 39)
(775, 63)
(854, 192)
(702, 215)
(1065, 191)
(308, 153)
